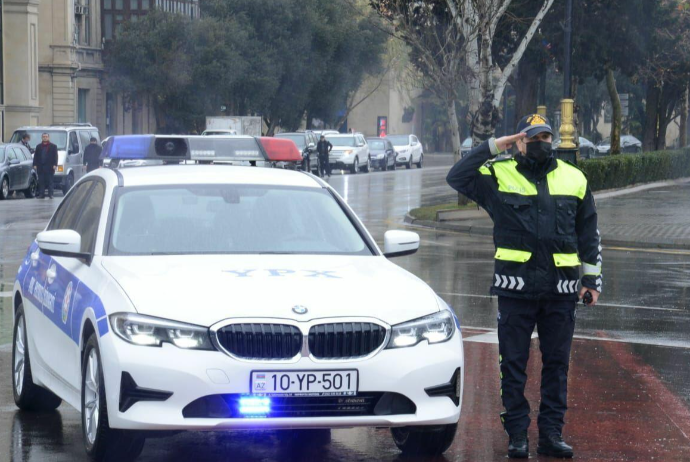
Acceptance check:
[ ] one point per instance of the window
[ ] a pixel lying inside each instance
(108, 4)
(119, 4)
(73, 142)
(20, 154)
(133, 4)
(87, 225)
(82, 98)
(108, 26)
(11, 155)
(145, 4)
(84, 137)
(68, 212)
(94, 134)
(2, 155)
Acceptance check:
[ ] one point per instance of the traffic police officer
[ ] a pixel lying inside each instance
(545, 225)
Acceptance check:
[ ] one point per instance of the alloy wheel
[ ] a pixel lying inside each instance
(5, 188)
(19, 361)
(91, 397)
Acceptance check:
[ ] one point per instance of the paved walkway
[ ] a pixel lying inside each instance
(658, 217)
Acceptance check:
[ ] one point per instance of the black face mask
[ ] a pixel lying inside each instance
(539, 151)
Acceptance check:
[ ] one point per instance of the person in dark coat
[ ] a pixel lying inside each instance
(92, 155)
(323, 148)
(45, 164)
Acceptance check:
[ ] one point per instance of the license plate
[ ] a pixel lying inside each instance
(303, 383)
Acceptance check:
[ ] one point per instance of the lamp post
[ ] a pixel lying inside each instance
(567, 150)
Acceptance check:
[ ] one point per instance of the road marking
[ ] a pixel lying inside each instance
(610, 305)
(662, 251)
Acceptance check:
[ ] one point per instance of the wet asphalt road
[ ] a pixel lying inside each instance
(629, 379)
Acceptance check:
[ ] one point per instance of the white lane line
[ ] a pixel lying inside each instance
(5, 294)
(611, 305)
(491, 336)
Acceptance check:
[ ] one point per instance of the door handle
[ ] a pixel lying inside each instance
(51, 273)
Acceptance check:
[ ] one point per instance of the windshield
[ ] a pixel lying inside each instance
(231, 219)
(348, 141)
(399, 140)
(298, 139)
(57, 137)
(377, 144)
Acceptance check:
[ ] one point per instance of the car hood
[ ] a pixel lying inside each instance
(206, 289)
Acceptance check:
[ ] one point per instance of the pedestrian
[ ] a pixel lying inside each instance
(545, 224)
(323, 147)
(26, 139)
(45, 164)
(92, 155)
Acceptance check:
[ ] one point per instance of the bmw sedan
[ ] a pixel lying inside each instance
(202, 297)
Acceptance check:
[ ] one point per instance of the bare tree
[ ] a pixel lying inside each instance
(478, 20)
(437, 49)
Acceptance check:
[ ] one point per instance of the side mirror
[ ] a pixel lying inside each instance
(62, 243)
(14, 161)
(400, 243)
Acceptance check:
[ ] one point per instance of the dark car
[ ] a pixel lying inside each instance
(306, 142)
(588, 150)
(16, 171)
(382, 153)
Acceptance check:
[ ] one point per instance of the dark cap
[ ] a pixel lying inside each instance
(534, 124)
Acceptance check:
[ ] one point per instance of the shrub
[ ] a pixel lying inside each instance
(629, 169)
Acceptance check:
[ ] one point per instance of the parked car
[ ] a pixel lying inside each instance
(71, 140)
(382, 153)
(16, 171)
(466, 147)
(350, 152)
(306, 142)
(588, 149)
(409, 150)
(318, 133)
(629, 145)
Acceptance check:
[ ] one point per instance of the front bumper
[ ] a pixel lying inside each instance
(191, 375)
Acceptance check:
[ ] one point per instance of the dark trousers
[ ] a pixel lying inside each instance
(555, 321)
(45, 180)
(324, 166)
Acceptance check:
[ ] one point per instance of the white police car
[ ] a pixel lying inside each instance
(202, 297)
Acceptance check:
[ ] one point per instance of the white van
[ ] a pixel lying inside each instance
(71, 140)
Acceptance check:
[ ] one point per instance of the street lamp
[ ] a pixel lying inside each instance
(568, 147)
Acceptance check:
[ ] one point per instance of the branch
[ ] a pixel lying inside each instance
(497, 17)
(500, 86)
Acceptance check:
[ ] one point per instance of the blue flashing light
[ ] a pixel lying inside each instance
(128, 147)
(255, 406)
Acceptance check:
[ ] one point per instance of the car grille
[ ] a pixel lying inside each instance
(260, 341)
(364, 404)
(345, 340)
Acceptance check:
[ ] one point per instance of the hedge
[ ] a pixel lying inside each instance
(629, 169)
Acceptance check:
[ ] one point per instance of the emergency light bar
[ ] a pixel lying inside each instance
(175, 148)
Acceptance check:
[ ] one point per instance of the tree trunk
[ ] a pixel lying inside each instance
(651, 117)
(683, 141)
(616, 117)
(454, 129)
(526, 90)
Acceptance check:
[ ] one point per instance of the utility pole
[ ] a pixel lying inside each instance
(567, 149)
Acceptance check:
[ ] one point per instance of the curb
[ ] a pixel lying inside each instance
(646, 243)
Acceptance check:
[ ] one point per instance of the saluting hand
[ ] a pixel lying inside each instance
(506, 142)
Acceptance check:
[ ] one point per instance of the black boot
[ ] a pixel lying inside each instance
(554, 446)
(518, 446)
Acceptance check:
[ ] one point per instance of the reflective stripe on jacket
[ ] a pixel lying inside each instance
(545, 223)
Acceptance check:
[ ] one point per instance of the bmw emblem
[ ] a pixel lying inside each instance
(299, 309)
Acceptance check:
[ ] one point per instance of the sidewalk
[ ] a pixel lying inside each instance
(649, 216)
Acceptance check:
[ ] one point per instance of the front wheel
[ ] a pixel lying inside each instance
(421, 161)
(27, 395)
(424, 441)
(100, 441)
(366, 167)
(354, 168)
(4, 189)
(30, 192)
(408, 165)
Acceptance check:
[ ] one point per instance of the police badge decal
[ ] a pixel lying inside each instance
(65, 302)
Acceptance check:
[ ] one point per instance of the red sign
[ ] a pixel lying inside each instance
(382, 126)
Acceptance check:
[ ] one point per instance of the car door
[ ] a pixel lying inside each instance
(14, 170)
(75, 159)
(416, 148)
(51, 284)
(390, 152)
(25, 161)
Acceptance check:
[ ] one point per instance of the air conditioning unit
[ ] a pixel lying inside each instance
(80, 10)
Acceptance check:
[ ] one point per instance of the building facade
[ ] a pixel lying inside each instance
(51, 63)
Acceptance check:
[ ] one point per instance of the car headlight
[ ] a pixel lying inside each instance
(348, 152)
(435, 328)
(380, 156)
(149, 331)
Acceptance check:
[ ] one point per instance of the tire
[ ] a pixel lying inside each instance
(101, 442)
(4, 188)
(367, 166)
(27, 395)
(421, 161)
(424, 441)
(393, 166)
(68, 183)
(354, 169)
(408, 165)
(30, 192)
(300, 438)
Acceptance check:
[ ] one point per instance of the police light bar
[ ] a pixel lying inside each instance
(183, 148)
(280, 149)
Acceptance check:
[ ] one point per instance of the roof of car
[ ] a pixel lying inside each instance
(214, 174)
(57, 127)
(341, 135)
